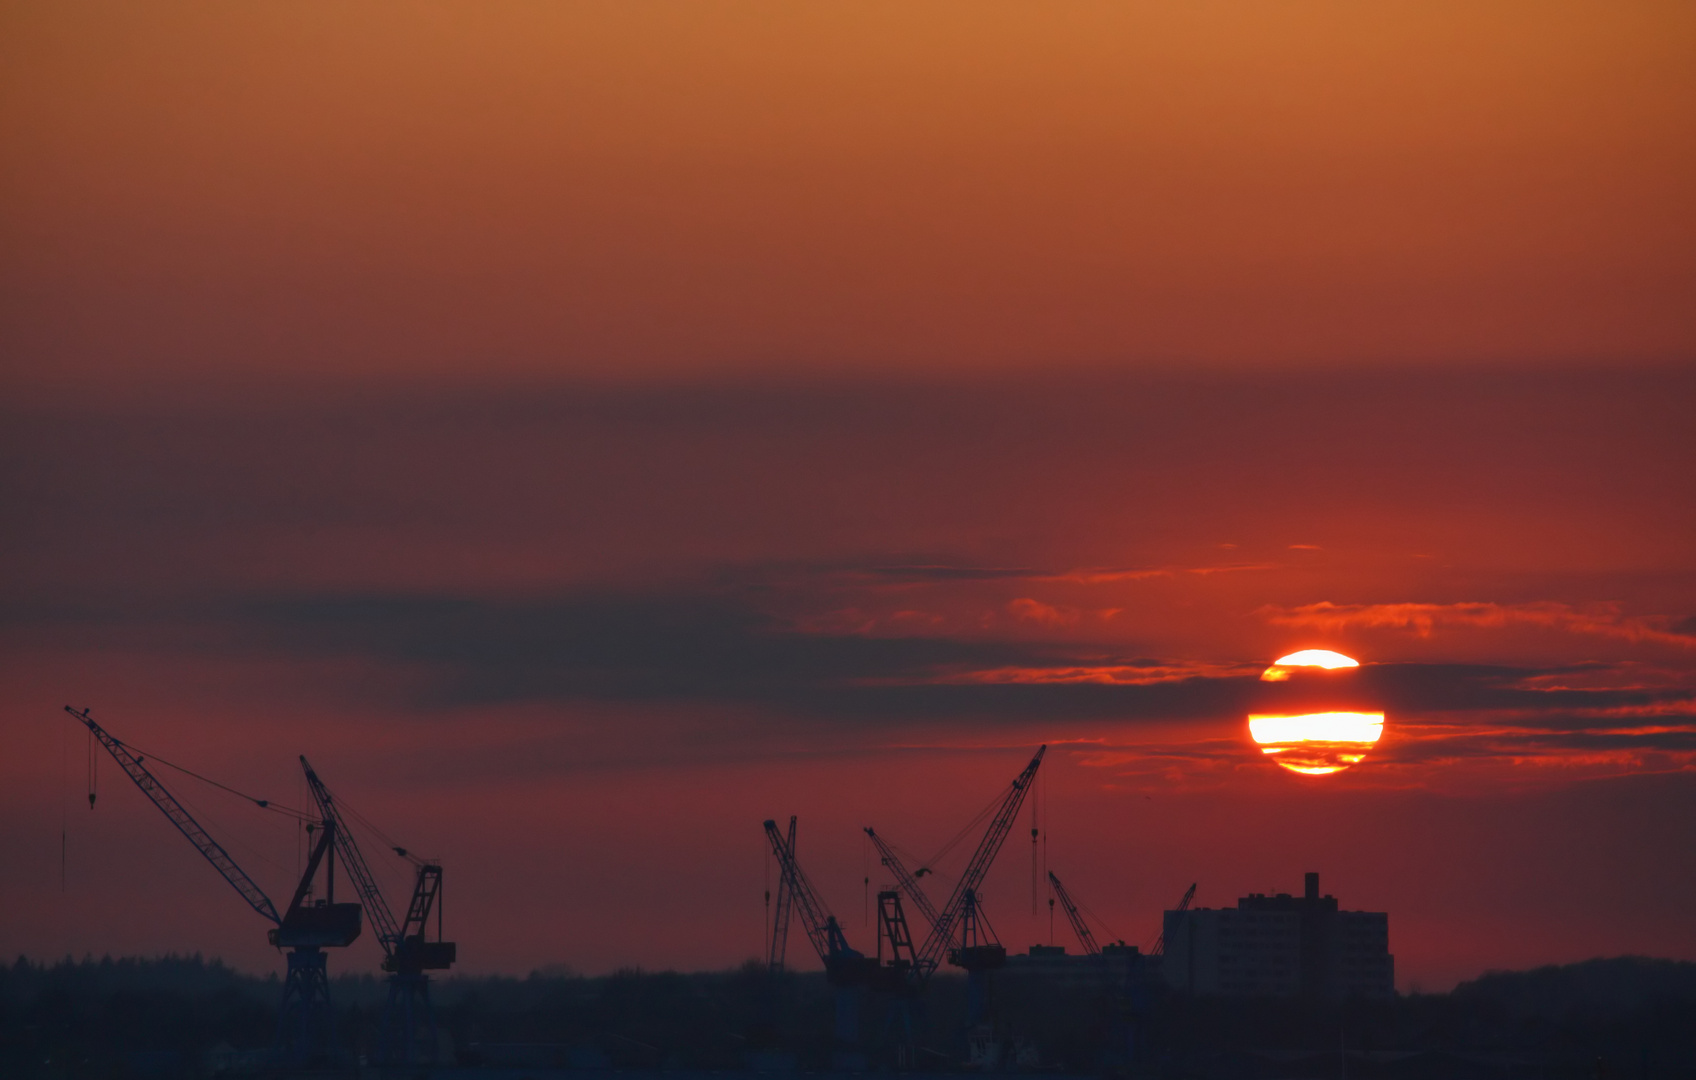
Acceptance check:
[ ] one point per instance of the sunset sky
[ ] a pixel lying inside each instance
(586, 430)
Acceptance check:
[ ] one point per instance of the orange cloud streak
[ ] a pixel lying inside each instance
(1103, 674)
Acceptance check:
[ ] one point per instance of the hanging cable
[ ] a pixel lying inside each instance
(388, 841)
(299, 853)
(227, 836)
(1034, 885)
(1047, 829)
(64, 800)
(263, 804)
(970, 829)
(923, 871)
(866, 880)
(394, 880)
(1099, 921)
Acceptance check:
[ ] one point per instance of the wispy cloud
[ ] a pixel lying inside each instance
(1604, 620)
(939, 573)
(1108, 575)
(677, 654)
(717, 648)
(1142, 673)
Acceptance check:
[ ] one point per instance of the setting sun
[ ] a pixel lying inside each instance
(1317, 743)
(1307, 658)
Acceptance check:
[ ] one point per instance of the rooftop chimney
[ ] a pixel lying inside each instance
(1312, 885)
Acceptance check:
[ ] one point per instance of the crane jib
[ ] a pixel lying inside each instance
(823, 931)
(167, 803)
(942, 935)
(904, 878)
(353, 861)
(1075, 917)
(778, 950)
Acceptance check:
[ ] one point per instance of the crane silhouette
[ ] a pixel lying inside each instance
(409, 1034)
(305, 1023)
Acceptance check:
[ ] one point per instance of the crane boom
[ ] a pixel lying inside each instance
(389, 934)
(816, 919)
(1079, 927)
(409, 1031)
(965, 890)
(779, 950)
(906, 880)
(150, 786)
(1183, 906)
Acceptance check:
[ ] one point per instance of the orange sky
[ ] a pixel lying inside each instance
(646, 191)
(579, 643)
(588, 430)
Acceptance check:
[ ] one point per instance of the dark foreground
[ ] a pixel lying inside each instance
(186, 1018)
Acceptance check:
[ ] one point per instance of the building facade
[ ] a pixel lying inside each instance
(1280, 946)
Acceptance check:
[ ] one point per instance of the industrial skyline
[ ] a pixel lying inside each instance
(588, 432)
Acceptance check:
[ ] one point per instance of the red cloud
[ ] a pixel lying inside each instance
(1603, 620)
(1036, 611)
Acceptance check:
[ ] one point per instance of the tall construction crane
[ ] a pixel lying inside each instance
(779, 947)
(958, 931)
(305, 1028)
(824, 932)
(901, 974)
(1124, 976)
(845, 967)
(1074, 916)
(409, 1024)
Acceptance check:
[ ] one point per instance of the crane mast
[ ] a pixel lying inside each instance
(1079, 927)
(892, 929)
(426, 896)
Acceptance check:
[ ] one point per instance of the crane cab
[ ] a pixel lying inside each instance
(319, 926)
(415, 955)
(978, 957)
